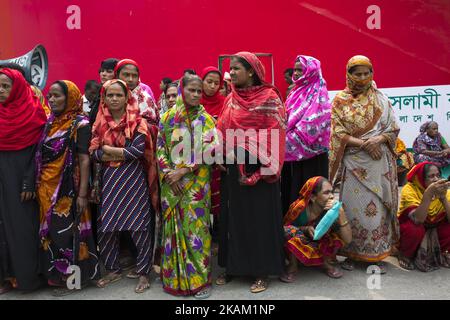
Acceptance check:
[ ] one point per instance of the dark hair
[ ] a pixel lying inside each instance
(170, 85)
(63, 86)
(248, 67)
(128, 64)
(427, 167)
(190, 78)
(189, 71)
(289, 71)
(108, 64)
(166, 81)
(91, 84)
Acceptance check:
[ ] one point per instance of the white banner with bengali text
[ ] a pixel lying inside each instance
(414, 106)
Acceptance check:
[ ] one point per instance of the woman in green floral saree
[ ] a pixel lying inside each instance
(186, 134)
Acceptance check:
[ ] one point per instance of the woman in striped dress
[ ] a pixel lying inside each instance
(121, 142)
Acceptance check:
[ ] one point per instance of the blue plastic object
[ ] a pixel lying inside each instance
(327, 221)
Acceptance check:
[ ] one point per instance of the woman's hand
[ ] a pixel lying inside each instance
(330, 203)
(373, 147)
(106, 157)
(177, 188)
(176, 175)
(27, 196)
(106, 149)
(309, 231)
(82, 204)
(445, 152)
(438, 188)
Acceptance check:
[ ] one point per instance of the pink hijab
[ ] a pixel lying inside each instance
(309, 113)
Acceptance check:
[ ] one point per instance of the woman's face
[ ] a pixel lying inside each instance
(56, 99)
(129, 73)
(5, 87)
(361, 73)
(298, 71)
(240, 76)
(211, 83)
(192, 93)
(432, 175)
(322, 197)
(115, 98)
(106, 74)
(433, 130)
(171, 96)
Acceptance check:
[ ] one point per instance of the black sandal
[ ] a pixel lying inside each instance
(222, 279)
(406, 263)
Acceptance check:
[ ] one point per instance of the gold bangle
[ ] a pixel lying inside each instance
(344, 224)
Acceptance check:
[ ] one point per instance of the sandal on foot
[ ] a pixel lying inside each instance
(108, 279)
(333, 272)
(203, 294)
(382, 266)
(7, 287)
(406, 263)
(142, 286)
(259, 285)
(132, 275)
(288, 277)
(348, 265)
(223, 279)
(446, 259)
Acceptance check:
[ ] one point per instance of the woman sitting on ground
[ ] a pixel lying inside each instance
(431, 146)
(424, 217)
(316, 198)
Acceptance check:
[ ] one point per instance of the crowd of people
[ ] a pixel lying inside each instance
(88, 179)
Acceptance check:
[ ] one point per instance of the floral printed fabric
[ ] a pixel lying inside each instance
(186, 240)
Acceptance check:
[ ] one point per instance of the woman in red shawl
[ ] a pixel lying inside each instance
(251, 235)
(22, 121)
(424, 217)
(121, 141)
(212, 100)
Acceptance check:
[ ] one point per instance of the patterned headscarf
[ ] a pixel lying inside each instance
(355, 112)
(299, 205)
(74, 107)
(309, 113)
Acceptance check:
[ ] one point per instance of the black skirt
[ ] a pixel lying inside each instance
(296, 173)
(19, 221)
(251, 228)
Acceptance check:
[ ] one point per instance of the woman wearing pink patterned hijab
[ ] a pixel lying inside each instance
(308, 129)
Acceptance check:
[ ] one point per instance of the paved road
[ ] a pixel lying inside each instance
(311, 284)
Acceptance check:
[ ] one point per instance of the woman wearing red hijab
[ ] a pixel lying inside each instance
(212, 100)
(22, 121)
(251, 235)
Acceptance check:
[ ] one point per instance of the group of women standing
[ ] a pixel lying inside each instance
(165, 200)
